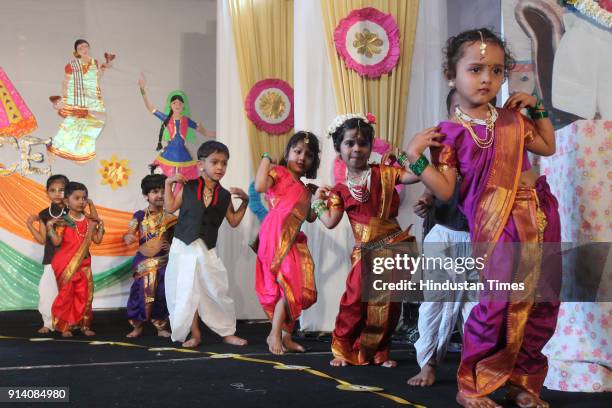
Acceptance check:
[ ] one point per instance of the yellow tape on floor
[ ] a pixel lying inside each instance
(346, 386)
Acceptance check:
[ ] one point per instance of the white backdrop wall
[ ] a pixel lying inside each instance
(173, 42)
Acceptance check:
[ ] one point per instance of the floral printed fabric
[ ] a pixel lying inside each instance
(580, 175)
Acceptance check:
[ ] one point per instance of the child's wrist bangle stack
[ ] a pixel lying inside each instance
(402, 159)
(419, 166)
(319, 207)
(266, 156)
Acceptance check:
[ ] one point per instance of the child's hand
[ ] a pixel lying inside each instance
(421, 141)
(51, 223)
(177, 178)
(520, 100)
(165, 245)
(32, 219)
(421, 207)
(322, 192)
(239, 193)
(129, 239)
(142, 82)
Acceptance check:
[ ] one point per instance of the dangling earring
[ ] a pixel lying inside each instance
(451, 84)
(76, 54)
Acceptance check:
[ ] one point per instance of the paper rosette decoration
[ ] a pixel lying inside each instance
(16, 119)
(114, 172)
(368, 42)
(269, 105)
(379, 148)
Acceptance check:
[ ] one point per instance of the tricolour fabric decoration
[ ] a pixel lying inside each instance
(19, 277)
(368, 42)
(269, 105)
(21, 197)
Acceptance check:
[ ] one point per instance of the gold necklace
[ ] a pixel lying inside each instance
(152, 223)
(489, 123)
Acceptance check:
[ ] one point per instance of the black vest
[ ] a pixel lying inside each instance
(197, 221)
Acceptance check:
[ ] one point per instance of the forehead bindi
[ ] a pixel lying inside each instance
(494, 54)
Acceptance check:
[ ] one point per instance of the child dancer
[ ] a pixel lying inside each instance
(47, 287)
(178, 128)
(152, 227)
(196, 279)
(74, 233)
(363, 329)
(446, 235)
(504, 202)
(284, 279)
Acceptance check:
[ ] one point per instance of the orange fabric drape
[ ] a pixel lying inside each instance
(21, 197)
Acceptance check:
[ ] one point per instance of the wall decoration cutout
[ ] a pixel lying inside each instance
(269, 105)
(16, 119)
(114, 172)
(368, 42)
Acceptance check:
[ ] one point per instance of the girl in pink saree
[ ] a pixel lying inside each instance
(284, 279)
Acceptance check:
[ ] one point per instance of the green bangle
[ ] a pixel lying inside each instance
(535, 115)
(142, 91)
(419, 165)
(319, 207)
(402, 159)
(266, 156)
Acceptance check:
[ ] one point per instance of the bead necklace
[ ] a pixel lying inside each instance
(76, 227)
(56, 216)
(359, 187)
(151, 223)
(466, 121)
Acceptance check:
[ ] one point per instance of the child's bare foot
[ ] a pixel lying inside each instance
(235, 340)
(338, 362)
(163, 333)
(67, 333)
(275, 345)
(476, 402)
(425, 378)
(192, 342)
(44, 330)
(389, 364)
(134, 333)
(88, 332)
(291, 345)
(524, 399)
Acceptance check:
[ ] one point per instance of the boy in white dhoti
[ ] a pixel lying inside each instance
(446, 235)
(196, 279)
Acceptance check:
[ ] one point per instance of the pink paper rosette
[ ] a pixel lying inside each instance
(269, 105)
(368, 42)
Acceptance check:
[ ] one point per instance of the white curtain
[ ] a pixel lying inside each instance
(315, 109)
(232, 244)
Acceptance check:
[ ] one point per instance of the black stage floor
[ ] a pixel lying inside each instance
(144, 372)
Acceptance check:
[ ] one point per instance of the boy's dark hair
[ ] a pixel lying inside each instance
(73, 186)
(454, 49)
(363, 128)
(312, 146)
(210, 147)
(152, 182)
(57, 177)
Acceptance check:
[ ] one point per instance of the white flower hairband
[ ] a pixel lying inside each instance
(367, 118)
